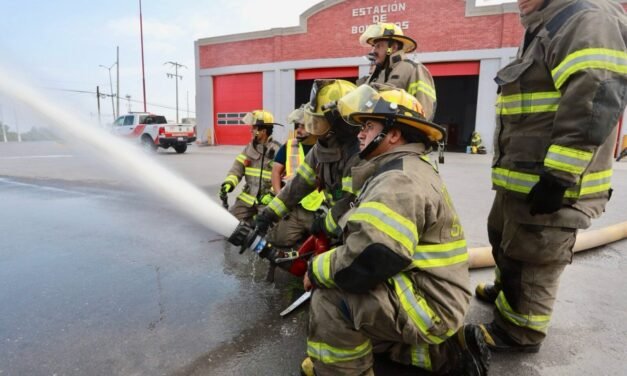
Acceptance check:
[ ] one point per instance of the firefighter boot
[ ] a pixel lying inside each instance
(499, 341)
(307, 368)
(475, 359)
(487, 292)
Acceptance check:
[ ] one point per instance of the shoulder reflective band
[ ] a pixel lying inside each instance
(241, 158)
(278, 207)
(589, 58)
(423, 87)
(527, 103)
(438, 255)
(321, 268)
(232, 179)
(539, 323)
(567, 159)
(307, 173)
(329, 354)
(386, 220)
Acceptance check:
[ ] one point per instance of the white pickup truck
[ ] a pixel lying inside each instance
(153, 131)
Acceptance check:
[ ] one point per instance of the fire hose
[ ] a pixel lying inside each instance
(482, 257)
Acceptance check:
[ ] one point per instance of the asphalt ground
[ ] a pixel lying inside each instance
(589, 325)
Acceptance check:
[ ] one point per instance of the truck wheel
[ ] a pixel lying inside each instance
(148, 144)
(180, 149)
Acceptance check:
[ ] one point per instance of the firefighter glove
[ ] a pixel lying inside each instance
(317, 225)
(262, 223)
(265, 199)
(226, 188)
(546, 196)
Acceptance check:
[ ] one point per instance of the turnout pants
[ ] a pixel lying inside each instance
(292, 229)
(346, 329)
(530, 254)
(243, 212)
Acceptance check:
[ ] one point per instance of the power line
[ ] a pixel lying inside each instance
(113, 95)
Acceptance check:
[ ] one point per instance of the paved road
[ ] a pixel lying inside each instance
(100, 278)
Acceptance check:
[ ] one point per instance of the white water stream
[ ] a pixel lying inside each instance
(126, 158)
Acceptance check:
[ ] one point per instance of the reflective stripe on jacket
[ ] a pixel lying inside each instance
(254, 166)
(295, 156)
(559, 102)
(404, 208)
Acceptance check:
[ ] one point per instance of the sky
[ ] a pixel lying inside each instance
(59, 46)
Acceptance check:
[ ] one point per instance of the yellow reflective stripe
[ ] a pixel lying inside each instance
(278, 207)
(416, 308)
(232, 179)
(527, 103)
(307, 173)
(250, 200)
(329, 354)
(347, 184)
(253, 171)
(600, 58)
(388, 222)
(437, 255)
(591, 183)
(241, 158)
(420, 356)
(513, 181)
(538, 323)
(567, 159)
(313, 200)
(423, 87)
(330, 225)
(294, 157)
(321, 268)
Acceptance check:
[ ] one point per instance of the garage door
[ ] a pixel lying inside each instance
(233, 96)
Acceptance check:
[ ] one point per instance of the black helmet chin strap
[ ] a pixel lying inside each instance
(389, 121)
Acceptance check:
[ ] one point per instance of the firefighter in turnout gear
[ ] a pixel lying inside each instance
(393, 67)
(326, 167)
(399, 284)
(294, 227)
(557, 111)
(254, 164)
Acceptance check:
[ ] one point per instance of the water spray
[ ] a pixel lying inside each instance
(127, 159)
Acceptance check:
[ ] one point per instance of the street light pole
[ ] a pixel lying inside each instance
(176, 77)
(111, 87)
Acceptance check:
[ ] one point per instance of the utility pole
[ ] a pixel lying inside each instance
(4, 131)
(128, 99)
(117, 80)
(111, 87)
(141, 37)
(98, 100)
(17, 125)
(176, 77)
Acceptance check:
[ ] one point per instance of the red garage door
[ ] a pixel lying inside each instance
(233, 96)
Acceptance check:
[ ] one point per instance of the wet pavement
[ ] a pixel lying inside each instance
(99, 278)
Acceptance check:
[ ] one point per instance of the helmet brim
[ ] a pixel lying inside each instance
(433, 131)
(409, 45)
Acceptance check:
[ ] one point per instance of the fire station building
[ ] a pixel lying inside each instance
(463, 43)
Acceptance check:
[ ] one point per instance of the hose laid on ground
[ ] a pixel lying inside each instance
(481, 257)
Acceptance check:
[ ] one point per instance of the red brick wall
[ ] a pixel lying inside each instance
(437, 25)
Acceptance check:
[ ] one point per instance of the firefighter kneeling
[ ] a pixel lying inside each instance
(399, 283)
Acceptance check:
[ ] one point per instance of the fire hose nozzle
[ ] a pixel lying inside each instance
(247, 238)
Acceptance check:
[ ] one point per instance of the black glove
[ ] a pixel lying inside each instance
(317, 225)
(546, 196)
(262, 223)
(242, 235)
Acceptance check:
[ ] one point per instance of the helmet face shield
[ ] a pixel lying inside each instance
(258, 117)
(362, 100)
(316, 125)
